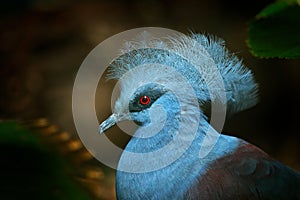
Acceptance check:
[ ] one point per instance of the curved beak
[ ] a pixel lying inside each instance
(110, 121)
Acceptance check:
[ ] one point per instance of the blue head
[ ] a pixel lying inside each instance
(177, 75)
(155, 103)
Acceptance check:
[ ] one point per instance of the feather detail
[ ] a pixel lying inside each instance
(247, 173)
(198, 58)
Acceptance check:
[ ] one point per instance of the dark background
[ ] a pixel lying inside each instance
(43, 43)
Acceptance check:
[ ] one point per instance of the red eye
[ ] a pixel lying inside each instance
(144, 100)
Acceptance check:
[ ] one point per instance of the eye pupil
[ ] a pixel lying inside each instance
(144, 100)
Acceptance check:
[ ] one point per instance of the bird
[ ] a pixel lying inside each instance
(168, 89)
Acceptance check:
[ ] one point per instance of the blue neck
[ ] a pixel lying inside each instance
(173, 180)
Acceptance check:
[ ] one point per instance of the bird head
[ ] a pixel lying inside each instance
(161, 81)
(152, 101)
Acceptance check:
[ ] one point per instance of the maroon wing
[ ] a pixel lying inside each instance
(247, 173)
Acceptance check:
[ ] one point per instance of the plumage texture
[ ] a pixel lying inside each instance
(184, 51)
(247, 173)
(171, 71)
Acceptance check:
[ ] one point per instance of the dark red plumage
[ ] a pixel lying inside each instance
(247, 173)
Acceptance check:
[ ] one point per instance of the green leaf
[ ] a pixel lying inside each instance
(30, 170)
(275, 32)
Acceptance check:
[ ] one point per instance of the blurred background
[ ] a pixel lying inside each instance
(43, 44)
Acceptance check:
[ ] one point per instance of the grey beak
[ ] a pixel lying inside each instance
(109, 122)
(112, 120)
